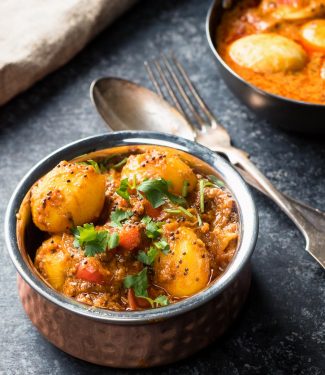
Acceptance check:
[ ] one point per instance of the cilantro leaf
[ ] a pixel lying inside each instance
(94, 241)
(97, 246)
(162, 245)
(216, 181)
(155, 197)
(118, 216)
(152, 229)
(84, 234)
(138, 282)
(176, 199)
(149, 257)
(122, 191)
(156, 191)
(113, 241)
(161, 300)
(146, 219)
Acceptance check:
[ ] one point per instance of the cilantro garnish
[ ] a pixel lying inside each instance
(149, 257)
(94, 241)
(122, 191)
(118, 216)
(138, 282)
(179, 210)
(113, 240)
(204, 183)
(199, 220)
(162, 245)
(156, 191)
(216, 181)
(134, 182)
(153, 229)
(201, 190)
(94, 164)
(185, 188)
(161, 300)
(119, 164)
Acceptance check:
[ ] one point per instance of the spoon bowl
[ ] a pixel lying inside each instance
(124, 105)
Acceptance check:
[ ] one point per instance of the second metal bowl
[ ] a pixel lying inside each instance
(287, 113)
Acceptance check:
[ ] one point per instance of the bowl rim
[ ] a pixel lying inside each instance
(242, 80)
(235, 183)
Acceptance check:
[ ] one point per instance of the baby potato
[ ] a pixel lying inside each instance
(185, 270)
(157, 164)
(70, 194)
(268, 53)
(52, 260)
(313, 34)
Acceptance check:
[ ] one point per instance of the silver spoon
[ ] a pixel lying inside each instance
(124, 105)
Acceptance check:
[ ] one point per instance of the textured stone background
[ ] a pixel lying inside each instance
(281, 329)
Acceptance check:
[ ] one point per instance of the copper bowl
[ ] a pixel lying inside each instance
(289, 114)
(131, 338)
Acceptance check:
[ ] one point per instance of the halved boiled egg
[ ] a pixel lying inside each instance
(313, 34)
(292, 10)
(268, 53)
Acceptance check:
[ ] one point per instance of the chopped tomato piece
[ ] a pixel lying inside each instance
(131, 300)
(136, 302)
(150, 211)
(89, 272)
(130, 237)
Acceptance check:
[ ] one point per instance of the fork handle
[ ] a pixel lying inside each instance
(240, 158)
(315, 216)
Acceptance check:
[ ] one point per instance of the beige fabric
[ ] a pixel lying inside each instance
(38, 36)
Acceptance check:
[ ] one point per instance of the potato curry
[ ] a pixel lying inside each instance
(133, 231)
(277, 45)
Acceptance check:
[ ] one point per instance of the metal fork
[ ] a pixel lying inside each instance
(169, 76)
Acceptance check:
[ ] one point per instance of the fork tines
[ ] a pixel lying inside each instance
(172, 82)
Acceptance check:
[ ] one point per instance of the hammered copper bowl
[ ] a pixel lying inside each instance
(131, 338)
(289, 114)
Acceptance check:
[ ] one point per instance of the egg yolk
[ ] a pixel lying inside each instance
(313, 35)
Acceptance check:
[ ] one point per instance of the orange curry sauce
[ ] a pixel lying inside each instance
(246, 18)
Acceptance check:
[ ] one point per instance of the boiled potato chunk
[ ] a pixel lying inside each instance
(52, 261)
(268, 53)
(313, 34)
(155, 164)
(70, 194)
(185, 270)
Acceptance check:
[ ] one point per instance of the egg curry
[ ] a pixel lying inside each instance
(277, 45)
(134, 230)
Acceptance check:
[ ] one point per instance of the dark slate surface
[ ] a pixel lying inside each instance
(281, 329)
